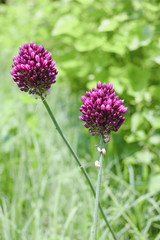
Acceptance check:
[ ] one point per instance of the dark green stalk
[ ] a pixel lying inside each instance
(78, 161)
(95, 215)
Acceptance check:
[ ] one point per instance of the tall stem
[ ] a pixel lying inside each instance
(78, 161)
(95, 215)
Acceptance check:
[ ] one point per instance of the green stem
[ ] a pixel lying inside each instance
(78, 161)
(95, 215)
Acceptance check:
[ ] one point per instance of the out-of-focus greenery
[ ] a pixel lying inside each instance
(42, 193)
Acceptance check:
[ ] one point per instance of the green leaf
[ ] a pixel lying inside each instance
(115, 47)
(123, 16)
(149, 6)
(136, 137)
(137, 77)
(88, 43)
(85, 2)
(71, 64)
(140, 36)
(117, 84)
(31, 121)
(27, 99)
(91, 84)
(136, 121)
(69, 25)
(153, 118)
(155, 92)
(154, 186)
(147, 35)
(156, 59)
(155, 140)
(108, 25)
(144, 156)
(134, 44)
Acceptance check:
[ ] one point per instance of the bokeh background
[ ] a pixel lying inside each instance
(43, 194)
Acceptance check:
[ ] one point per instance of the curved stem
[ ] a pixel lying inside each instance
(78, 161)
(95, 215)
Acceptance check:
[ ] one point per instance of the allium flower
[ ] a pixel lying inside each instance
(33, 69)
(102, 111)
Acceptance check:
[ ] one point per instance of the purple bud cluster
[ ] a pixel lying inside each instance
(101, 109)
(33, 69)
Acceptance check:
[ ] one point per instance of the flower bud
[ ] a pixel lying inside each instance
(99, 85)
(107, 136)
(99, 150)
(97, 164)
(103, 151)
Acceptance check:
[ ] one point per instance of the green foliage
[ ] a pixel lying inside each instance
(111, 41)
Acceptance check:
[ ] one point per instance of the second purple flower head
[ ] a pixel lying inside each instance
(102, 110)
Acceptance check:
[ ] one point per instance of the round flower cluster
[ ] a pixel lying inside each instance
(33, 69)
(102, 111)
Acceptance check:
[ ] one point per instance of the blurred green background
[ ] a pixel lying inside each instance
(43, 194)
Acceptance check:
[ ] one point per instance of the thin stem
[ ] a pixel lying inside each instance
(95, 215)
(78, 161)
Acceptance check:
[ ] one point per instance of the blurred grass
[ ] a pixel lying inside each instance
(43, 194)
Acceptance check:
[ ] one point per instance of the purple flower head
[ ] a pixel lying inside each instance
(33, 69)
(102, 111)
